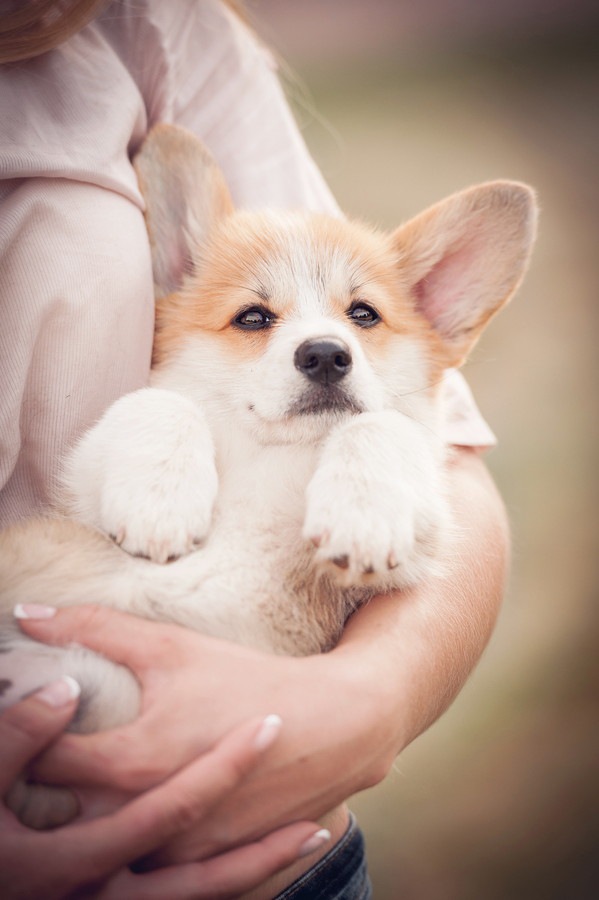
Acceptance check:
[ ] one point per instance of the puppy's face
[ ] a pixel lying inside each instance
(296, 321)
(286, 323)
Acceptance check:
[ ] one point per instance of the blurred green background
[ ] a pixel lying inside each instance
(403, 102)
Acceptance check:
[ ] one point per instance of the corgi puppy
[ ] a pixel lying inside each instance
(286, 463)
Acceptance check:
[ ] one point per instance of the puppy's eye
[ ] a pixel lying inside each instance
(254, 318)
(363, 315)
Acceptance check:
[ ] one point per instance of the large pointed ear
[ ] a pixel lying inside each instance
(464, 257)
(185, 195)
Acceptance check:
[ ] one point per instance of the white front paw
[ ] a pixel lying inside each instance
(145, 475)
(162, 516)
(368, 532)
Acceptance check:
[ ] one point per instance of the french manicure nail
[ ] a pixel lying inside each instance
(317, 840)
(268, 732)
(33, 611)
(59, 693)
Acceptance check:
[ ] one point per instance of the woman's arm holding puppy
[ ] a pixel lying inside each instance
(401, 661)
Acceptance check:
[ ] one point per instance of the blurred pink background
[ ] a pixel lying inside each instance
(403, 102)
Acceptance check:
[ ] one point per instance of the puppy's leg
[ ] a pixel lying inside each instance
(110, 697)
(110, 694)
(61, 563)
(376, 507)
(145, 474)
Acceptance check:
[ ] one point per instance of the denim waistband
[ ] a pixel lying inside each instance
(340, 875)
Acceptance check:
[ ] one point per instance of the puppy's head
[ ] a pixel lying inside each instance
(289, 322)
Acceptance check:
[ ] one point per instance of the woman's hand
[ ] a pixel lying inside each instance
(90, 859)
(215, 684)
(347, 713)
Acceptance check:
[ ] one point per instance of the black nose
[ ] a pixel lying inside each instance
(325, 360)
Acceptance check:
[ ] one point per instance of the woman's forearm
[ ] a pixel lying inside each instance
(420, 646)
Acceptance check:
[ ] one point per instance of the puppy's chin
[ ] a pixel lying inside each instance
(308, 419)
(325, 400)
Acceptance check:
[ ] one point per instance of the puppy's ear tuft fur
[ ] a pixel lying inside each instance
(185, 195)
(463, 258)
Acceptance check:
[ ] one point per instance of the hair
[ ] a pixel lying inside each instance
(33, 27)
(36, 26)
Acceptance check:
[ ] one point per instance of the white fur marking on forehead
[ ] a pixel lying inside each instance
(304, 266)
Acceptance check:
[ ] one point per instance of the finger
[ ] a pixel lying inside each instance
(240, 870)
(226, 876)
(112, 758)
(121, 637)
(30, 725)
(123, 757)
(154, 818)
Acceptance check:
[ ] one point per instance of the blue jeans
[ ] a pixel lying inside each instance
(340, 875)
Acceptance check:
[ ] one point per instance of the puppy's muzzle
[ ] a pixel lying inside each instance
(323, 360)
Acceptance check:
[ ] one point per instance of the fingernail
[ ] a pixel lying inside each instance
(33, 611)
(313, 843)
(268, 732)
(59, 693)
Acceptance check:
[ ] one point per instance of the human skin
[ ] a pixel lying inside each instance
(90, 859)
(348, 713)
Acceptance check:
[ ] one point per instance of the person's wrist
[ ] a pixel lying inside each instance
(372, 703)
